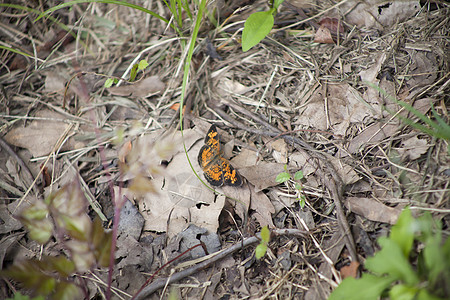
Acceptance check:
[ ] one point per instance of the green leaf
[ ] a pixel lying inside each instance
(434, 258)
(368, 287)
(446, 251)
(35, 219)
(30, 276)
(109, 82)
(302, 201)
(16, 51)
(283, 177)
(265, 234)
(77, 227)
(260, 250)
(257, 27)
(66, 291)
(58, 266)
(444, 127)
(390, 260)
(143, 64)
(133, 72)
(425, 295)
(102, 243)
(403, 231)
(298, 175)
(402, 292)
(19, 296)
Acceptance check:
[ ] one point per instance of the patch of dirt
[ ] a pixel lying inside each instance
(310, 97)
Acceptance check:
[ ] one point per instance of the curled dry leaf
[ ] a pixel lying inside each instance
(323, 36)
(342, 107)
(263, 208)
(41, 136)
(141, 88)
(380, 130)
(373, 210)
(262, 175)
(378, 14)
(413, 148)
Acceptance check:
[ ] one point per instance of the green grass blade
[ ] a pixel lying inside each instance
(19, 52)
(438, 129)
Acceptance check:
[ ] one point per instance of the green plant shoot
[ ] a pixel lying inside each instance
(261, 249)
(394, 274)
(258, 25)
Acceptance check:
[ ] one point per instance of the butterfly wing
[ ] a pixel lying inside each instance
(213, 174)
(209, 156)
(217, 170)
(230, 175)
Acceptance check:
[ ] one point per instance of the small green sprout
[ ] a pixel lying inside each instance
(141, 66)
(261, 249)
(110, 81)
(285, 177)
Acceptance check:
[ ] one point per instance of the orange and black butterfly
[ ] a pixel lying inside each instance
(217, 170)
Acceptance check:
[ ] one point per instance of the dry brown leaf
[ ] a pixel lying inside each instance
(372, 96)
(413, 148)
(239, 197)
(280, 200)
(372, 134)
(131, 252)
(350, 270)
(55, 80)
(424, 69)
(299, 160)
(280, 150)
(379, 131)
(226, 85)
(323, 36)
(346, 172)
(378, 13)
(9, 221)
(40, 136)
(343, 106)
(263, 208)
(141, 88)
(302, 161)
(373, 210)
(262, 175)
(371, 73)
(334, 25)
(245, 158)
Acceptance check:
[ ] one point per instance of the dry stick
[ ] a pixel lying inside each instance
(332, 185)
(161, 282)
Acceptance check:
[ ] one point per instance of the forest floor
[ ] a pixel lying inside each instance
(315, 102)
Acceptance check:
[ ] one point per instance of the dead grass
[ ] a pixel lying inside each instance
(337, 131)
